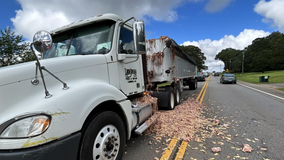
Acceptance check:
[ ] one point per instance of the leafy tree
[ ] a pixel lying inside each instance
(13, 49)
(267, 53)
(230, 57)
(263, 54)
(197, 55)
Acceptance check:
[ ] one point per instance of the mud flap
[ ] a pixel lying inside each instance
(164, 98)
(192, 84)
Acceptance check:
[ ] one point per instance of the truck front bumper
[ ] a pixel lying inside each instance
(66, 148)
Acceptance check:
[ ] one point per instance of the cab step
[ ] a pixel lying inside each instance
(143, 127)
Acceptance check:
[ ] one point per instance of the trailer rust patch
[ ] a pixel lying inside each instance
(164, 38)
(157, 58)
(173, 52)
(151, 42)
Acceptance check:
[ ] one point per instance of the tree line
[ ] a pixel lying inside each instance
(264, 54)
(13, 48)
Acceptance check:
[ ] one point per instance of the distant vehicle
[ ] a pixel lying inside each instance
(200, 77)
(228, 78)
(205, 74)
(216, 74)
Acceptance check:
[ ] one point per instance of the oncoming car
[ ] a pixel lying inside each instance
(228, 78)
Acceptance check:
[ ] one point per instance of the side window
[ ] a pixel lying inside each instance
(126, 44)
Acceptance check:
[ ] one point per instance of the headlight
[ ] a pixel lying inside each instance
(27, 127)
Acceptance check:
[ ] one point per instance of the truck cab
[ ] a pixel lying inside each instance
(81, 100)
(75, 103)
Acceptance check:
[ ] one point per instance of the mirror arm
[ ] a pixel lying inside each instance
(65, 87)
(36, 81)
(38, 66)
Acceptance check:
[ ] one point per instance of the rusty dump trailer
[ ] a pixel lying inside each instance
(169, 70)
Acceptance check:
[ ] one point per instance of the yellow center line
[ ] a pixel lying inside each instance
(183, 145)
(166, 155)
(203, 88)
(181, 150)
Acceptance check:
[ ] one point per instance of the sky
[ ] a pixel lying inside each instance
(211, 25)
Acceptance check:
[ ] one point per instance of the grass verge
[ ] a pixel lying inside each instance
(281, 89)
(253, 77)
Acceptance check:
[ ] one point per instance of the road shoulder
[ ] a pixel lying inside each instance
(269, 88)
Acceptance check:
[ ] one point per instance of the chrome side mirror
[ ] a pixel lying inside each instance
(42, 41)
(139, 37)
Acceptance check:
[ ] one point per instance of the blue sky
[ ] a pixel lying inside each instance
(212, 25)
(194, 23)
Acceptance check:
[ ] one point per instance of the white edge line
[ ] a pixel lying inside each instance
(262, 92)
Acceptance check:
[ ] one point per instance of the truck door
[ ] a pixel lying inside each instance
(129, 64)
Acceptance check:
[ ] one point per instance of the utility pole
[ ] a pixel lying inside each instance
(243, 60)
(230, 64)
(243, 63)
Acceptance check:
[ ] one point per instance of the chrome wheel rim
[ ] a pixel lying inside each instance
(177, 97)
(106, 144)
(172, 101)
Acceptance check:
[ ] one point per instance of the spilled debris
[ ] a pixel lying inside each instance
(189, 123)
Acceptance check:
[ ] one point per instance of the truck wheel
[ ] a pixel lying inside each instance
(177, 95)
(193, 85)
(171, 98)
(104, 138)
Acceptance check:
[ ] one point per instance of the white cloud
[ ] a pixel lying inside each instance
(272, 11)
(212, 47)
(47, 15)
(217, 5)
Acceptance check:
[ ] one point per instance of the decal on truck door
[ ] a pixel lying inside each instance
(130, 74)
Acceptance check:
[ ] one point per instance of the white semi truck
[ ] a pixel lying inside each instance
(77, 102)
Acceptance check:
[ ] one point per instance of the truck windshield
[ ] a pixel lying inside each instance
(92, 39)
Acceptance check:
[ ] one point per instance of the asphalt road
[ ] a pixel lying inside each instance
(254, 118)
(138, 148)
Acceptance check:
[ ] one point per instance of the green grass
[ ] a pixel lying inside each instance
(281, 89)
(275, 77)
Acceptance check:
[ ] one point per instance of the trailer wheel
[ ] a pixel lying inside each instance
(104, 138)
(193, 84)
(177, 95)
(170, 98)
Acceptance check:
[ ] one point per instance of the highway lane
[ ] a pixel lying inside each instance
(255, 119)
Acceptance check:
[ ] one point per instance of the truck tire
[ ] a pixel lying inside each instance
(177, 95)
(104, 138)
(171, 98)
(193, 84)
